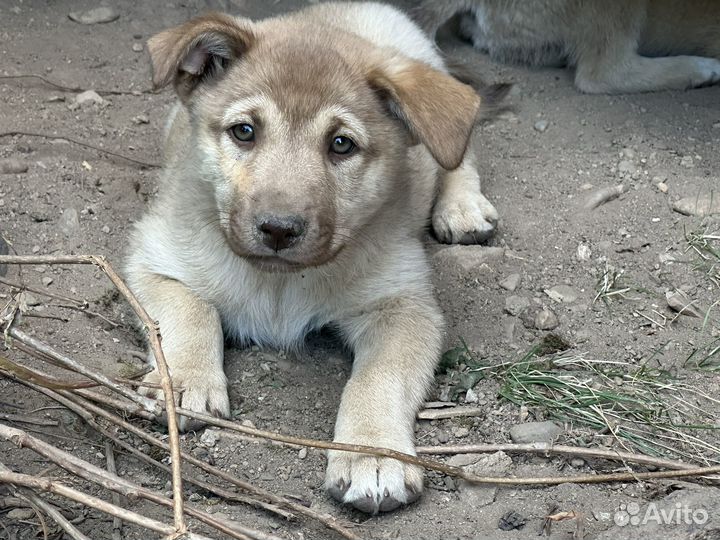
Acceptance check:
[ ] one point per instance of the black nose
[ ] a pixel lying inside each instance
(280, 232)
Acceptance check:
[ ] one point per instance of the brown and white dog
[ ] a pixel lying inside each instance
(302, 162)
(616, 46)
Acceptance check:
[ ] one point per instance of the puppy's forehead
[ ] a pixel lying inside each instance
(301, 77)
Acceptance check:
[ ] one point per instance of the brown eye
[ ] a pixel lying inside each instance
(243, 133)
(342, 145)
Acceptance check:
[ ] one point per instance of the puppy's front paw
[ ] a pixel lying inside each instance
(201, 392)
(372, 484)
(469, 220)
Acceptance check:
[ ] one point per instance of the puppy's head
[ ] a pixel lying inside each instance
(302, 131)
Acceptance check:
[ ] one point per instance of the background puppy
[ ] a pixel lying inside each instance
(294, 196)
(616, 46)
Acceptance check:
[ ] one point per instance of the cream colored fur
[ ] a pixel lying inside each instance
(616, 46)
(361, 265)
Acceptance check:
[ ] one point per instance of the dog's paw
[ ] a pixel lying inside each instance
(708, 72)
(201, 392)
(470, 220)
(372, 484)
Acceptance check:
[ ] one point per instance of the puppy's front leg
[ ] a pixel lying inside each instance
(192, 341)
(397, 346)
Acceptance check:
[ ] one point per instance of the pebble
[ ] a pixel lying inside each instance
(12, 166)
(662, 187)
(687, 162)
(583, 252)
(69, 222)
(535, 432)
(47, 281)
(248, 423)
(471, 396)
(30, 299)
(137, 47)
(141, 119)
(716, 125)
(562, 293)
(511, 282)
(702, 204)
(546, 320)
(21, 514)
(461, 432)
(541, 125)
(474, 496)
(468, 258)
(105, 229)
(97, 15)
(89, 96)
(680, 302)
(515, 305)
(463, 460)
(210, 437)
(626, 167)
(577, 462)
(302, 453)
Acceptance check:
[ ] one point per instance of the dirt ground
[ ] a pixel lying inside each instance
(540, 163)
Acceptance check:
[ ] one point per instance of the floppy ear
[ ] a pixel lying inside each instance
(198, 50)
(437, 108)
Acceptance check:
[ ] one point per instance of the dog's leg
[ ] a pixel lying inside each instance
(192, 341)
(629, 72)
(397, 345)
(462, 214)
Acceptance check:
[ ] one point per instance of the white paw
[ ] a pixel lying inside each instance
(708, 71)
(468, 220)
(199, 391)
(372, 484)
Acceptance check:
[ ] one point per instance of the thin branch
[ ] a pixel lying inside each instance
(77, 89)
(110, 463)
(154, 338)
(547, 449)
(150, 165)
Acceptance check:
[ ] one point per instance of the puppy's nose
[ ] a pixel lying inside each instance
(280, 232)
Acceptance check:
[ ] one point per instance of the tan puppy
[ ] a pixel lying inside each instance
(294, 196)
(616, 46)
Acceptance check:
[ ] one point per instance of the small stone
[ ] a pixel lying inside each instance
(702, 204)
(21, 514)
(511, 521)
(687, 162)
(89, 96)
(468, 258)
(680, 302)
(515, 305)
(511, 282)
(562, 293)
(12, 166)
(546, 320)
(137, 47)
(105, 229)
(195, 497)
(210, 438)
(69, 222)
(30, 299)
(577, 462)
(627, 153)
(716, 125)
(474, 496)
(461, 432)
(583, 252)
(55, 99)
(540, 125)
(99, 15)
(471, 396)
(141, 119)
(443, 437)
(662, 187)
(302, 453)
(535, 432)
(248, 423)
(47, 281)
(462, 460)
(35, 248)
(626, 167)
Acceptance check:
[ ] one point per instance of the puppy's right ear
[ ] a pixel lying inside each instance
(197, 51)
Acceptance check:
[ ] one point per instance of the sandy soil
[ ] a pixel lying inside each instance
(74, 200)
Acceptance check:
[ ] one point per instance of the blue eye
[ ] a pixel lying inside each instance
(342, 145)
(243, 133)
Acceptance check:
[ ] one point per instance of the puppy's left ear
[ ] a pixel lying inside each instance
(437, 108)
(198, 51)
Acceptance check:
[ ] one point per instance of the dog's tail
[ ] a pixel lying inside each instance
(430, 15)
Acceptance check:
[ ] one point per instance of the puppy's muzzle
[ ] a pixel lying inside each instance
(280, 232)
